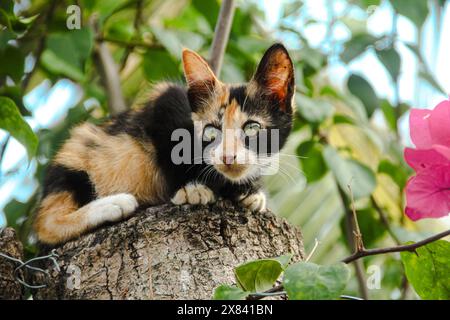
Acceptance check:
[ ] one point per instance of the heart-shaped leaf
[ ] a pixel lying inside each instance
(428, 270)
(309, 281)
(260, 275)
(225, 292)
(12, 121)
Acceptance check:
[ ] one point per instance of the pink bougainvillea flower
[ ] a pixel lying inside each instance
(428, 193)
(422, 159)
(430, 127)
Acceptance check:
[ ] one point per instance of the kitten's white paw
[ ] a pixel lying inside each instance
(111, 208)
(193, 193)
(255, 202)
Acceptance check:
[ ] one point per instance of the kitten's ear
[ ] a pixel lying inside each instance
(197, 70)
(274, 76)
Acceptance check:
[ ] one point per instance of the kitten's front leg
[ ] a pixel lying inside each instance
(193, 193)
(255, 202)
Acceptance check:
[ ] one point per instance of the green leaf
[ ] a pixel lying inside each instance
(362, 89)
(391, 60)
(175, 40)
(313, 110)
(396, 171)
(225, 292)
(343, 119)
(389, 114)
(15, 93)
(12, 121)
(159, 64)
(191, 20)
(106, 8)
(5, 36)
(356, 46)
(292, 7)
(428, 77)
(350, 172)
(428, 270)
(367, 3)
(309, 281)
(209, 9)
(16, 212)
(312, 162)
(260, 275)
(414, 10)
(66, 53)
(12, 63)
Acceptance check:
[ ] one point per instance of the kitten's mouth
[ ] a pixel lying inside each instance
(234, 171)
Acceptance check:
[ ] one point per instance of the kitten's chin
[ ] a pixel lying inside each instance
(237, 172)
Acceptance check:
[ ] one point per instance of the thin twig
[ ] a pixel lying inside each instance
(222, 32)
(129, 43)
(3, 149)
(40, 46)
(365, 253)
(359, 244)
(137, 27)
(316, 244)
(384, 220)
(354, 240)
(408, 247)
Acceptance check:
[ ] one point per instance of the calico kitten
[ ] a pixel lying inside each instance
(102, 173)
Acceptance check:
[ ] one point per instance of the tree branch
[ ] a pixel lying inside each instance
(364, 253)
(222, 32)
(109, 74)
(129, 43)
(408, 247)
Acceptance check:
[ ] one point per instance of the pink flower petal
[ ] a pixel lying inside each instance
(428, 193)
(439, 124)
(419, 128)
(422, 159)
(445, 151)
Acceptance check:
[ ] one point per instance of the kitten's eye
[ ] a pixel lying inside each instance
(210, 133)
(251, 129)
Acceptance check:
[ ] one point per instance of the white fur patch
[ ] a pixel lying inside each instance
(193, 193)
(111, 208)
(255, 202)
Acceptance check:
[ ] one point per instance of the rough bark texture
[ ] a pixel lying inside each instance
(168, 252)
(10, 289)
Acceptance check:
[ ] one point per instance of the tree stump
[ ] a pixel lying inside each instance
(167, 252)
(10, 289)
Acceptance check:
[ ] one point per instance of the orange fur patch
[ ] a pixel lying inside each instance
(279, 74)
(196, 69)
(115, 164)
(58, 218)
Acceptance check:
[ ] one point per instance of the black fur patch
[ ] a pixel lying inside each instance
(60, 178)
(239, 94)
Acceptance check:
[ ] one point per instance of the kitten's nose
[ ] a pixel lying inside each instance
(228, 159)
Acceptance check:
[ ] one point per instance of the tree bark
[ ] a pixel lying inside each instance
(10, 289)
(167, 252)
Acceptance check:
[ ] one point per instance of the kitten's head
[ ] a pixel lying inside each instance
(242, 126)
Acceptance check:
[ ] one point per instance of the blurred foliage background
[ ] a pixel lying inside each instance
(346, 133)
